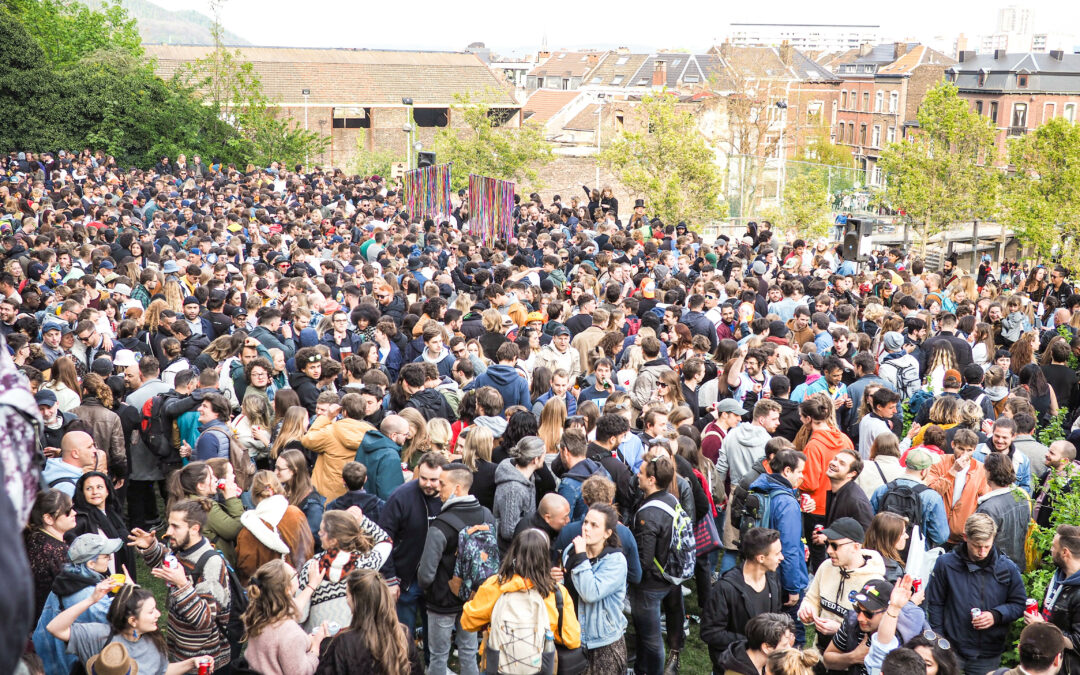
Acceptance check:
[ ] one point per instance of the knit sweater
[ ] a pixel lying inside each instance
(281, 649)
(329, 601)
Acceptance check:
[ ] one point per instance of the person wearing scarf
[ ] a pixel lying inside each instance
(107, 521)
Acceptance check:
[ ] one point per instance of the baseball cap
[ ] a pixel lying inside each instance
(45, 397)
(122, 289)
(86, 547)
(124, 358)
(919, 459)
(845, 528)
(874, 596)
(730, 405)
(534, 316)
(191, 300)
(561, 330)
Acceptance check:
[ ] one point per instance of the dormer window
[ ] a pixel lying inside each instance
(1022, 80)
(982, 77)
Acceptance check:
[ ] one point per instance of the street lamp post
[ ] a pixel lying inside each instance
(306, 93)
(410, 128)
(782, 106)
(599, 126)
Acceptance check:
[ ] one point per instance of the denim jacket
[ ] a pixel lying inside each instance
(601, 587)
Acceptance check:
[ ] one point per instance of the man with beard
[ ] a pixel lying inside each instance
(1061, 605)
(195, 600)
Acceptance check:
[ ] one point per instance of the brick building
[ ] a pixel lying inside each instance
(1019, 92)
(355, 95)
(883, 86)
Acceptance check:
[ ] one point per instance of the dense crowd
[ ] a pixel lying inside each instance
(348, 439)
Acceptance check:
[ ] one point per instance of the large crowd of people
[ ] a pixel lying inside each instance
(345, 438)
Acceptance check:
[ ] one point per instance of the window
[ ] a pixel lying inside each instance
(596, 80)
(866, 101)
(869, 68)
(1019, 116)
(691, 79)
(853, 101)
(566, 83)
(813, 113)
(890, 135)
(851, 132)
(840, 133)
(1049, 111)
(894, 101)
(643, 81)
(862, 134)
(879, 101)
(431, 117)
(875, 176)
(1022, 80)
(978, 107)
(982, 77)
(352, 118)
(993, 111)
(876, 138)
(617, 80)
(833, 118)
(621, 61)
(843, 100)
(1069, 113)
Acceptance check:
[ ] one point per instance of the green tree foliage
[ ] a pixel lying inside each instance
(806, 202)
(486, 148)
(371, 162)
(68, 31)
(941, 173)
(1041, 199)
(669, 163)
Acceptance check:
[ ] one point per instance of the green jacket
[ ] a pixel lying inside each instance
(223, 526)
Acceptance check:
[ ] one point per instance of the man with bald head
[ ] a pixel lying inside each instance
(1060, 460)
(551, 516)
(77, 456)
(380, 452)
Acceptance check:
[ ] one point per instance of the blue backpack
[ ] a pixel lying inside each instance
(477, 555)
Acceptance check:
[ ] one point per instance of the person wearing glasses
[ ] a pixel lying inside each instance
(882, 617)
(339, 339)
(850, 566)
(1058, 287)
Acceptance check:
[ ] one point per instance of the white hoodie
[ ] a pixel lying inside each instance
(263, 521)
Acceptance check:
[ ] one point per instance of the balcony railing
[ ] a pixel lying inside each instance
(1017, 131)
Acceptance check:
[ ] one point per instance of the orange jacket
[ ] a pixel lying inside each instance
(942, 480)
(820, 449)
(476, 614)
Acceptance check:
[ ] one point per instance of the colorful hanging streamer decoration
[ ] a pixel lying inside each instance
(427, 192)
(491, 208)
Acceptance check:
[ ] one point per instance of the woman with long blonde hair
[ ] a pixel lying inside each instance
(64, 382)
(151, 320)
(418, 443)
(552, 419)
(475, 445)
(440, 434)
(174, 295)
(293, 427)
(276, 643)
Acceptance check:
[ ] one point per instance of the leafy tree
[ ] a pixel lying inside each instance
(1041, 199)
(486, 148)
(371, 162)
(68, 30)
(806, 203)
(669, 163)
(941, 174)
(28, 89)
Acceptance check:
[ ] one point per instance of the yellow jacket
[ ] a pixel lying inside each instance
(476, 614)
(336, 443)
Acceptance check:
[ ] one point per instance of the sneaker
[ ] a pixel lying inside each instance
(672, 667)
(685, 591)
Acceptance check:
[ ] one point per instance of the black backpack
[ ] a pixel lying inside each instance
(156, 433)
(904, 500)
(238, 599)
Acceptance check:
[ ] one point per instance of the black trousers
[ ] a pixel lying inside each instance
(142, 502)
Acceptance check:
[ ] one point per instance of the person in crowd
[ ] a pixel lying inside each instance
(52, 517)
(1060, 467)
(273, 530)
(930, 515)
(276, 643)
(883, 465)
(354, 476)
(845, 499)
(1008, 506)
(97, 511)
(961, 481)
(291, 469)
(1061, 604)
(1001, 441)
(222, 526)
(974, 576)
(1041, 649)
(888, 536)
(515, 495)
(373, 641)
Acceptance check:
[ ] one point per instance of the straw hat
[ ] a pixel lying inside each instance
(113, 660)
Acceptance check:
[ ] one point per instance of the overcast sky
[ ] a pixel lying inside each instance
(638, 24)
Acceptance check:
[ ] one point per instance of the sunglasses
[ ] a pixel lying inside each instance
(934, 638)
(835, 545)
(867, 613)
(314, 358)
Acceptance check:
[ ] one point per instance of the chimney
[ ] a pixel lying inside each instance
(865, 49)
(659, 74)
(594, 58)
(725, 49)
(999, 54)
(785, 52)
(966, 56)
(1057, 54)
(542, 56)
(899, 49)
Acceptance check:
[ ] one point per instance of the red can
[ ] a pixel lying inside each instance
(818, 529)
(221, 485)
(206, 665)
(804, 501)
(1032, 606)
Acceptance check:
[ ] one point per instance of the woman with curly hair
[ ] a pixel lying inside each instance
(276, 643)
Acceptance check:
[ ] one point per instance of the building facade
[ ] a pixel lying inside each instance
(803, 36)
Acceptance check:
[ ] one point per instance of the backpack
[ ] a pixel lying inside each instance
(918, 400)
(238, 454)
(477, 556)
(755, 511)
(520, 641)
(903, 500)
(682, 551)
(63, 479)
(633, 325)
(158, 438)
(238, 599)
(902, 382)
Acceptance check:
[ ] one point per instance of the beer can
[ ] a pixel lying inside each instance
(221, 486)
(332, 628)
(1032, 606)
(206, 665)
(818, 529)
(975, 612)
(804, 501)
(170, 562)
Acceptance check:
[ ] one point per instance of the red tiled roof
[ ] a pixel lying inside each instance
(546, 103)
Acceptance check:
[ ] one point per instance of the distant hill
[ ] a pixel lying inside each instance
(158, 25)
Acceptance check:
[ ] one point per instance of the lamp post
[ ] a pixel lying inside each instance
(599, 126)
(782, 106)
(306, 93)
(410, 128)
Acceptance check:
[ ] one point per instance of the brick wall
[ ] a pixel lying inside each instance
(564, 176)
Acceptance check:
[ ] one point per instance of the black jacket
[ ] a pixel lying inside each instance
(395, 310)
(701, 500)
(306, 389)
(652, 529)
(626, 490)
(735, 660)
(366, 501)
(406, 515)
(727, 611)
(440, 552)
(789, 419)
(483, 486)
(850, 501)
(431, 404)
(1065, 614)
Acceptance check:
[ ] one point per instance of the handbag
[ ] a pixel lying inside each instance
(706, 535)
(568, 661)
